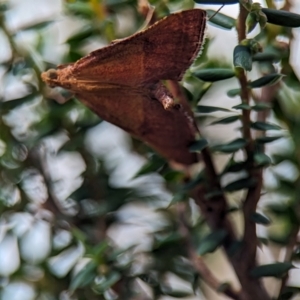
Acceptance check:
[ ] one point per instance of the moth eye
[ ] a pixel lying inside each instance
(52, 74)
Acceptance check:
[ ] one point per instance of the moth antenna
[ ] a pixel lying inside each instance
(149, 18)
(216, 12)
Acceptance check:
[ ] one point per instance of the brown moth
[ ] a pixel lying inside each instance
(122, 82)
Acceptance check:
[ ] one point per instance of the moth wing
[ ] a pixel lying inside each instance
(169, 132)
(163, 51)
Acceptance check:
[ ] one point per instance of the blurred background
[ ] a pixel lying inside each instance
(85, 209)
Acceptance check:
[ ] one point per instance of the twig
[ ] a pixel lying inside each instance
(215, 209)
(248, 252)
(288, 255)
(198, 262)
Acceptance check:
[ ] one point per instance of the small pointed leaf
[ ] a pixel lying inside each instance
(242, 106)
(35, 26)
(260, 219)
(233, 167)
(11, 104)
(209, 109)
(259, 106)
(84, 33)
(242, 57)
(217, 2)
(198, 146)
(233, 146)
(107, 282)
(212, 241)
(266, 56)
(85, 276)
(233, 93)
(212, 75)
(227, 120)
(240, 184)
(251, 21)
(153, 165)
(271, 270)
(269, 79)
(267, 139)
(178, 294)
(264, 126)
(262, 159)
(81, 8)
(220, 20)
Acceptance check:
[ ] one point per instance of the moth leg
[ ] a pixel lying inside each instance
(161, 93)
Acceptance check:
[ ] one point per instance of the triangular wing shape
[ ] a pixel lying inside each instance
(169, 132)
(163, 51)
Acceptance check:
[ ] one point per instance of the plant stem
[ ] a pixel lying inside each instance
(253, 288)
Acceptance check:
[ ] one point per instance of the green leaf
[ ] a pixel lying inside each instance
(175, 293)
(260, 219)
(264, 126)
(85, 276)
(220, 20)
(242, 106)
(234, 167)
(267, 139)
(81, 8)
(262, 159)
(251, 21)
(84, 33)
(242, 57)
(75, 143)
(212, 75)
(227, 120)
(11, 104)
(198, 146)
(259, 106)
(73, 55)
(218, 2)
(154, 164)
(266, 57)
(256, 16)
(272, 270)
(233, 93)
(267, 80)
(173, 176)
(165, 242)
(212, 241)
(35, 26)
(4, 6)
(288, 292)
(232, 146)
(240, 184)
(101, 285)
(118, 3)
(209, 109)
(281, 17)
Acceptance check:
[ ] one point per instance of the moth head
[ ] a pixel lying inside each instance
(50, 77)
